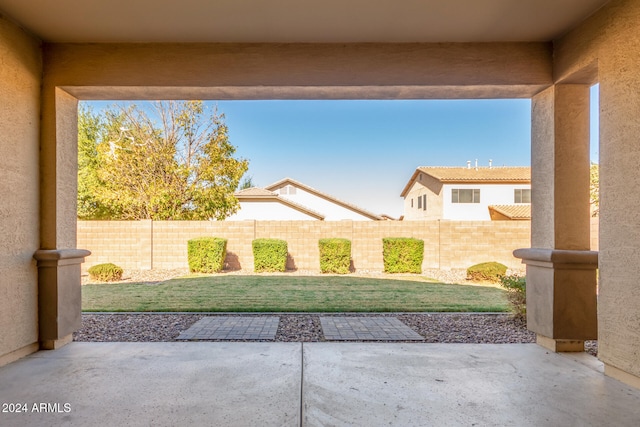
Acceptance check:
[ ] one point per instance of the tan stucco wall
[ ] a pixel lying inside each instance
(606, 48)
(20, 77)
(560, 167)
(290, 71)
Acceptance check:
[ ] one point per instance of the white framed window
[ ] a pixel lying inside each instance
(419, 202)
(465, 195)
(424, 202)
(522, 195)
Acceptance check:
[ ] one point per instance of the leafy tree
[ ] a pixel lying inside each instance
(171, 162)
(594, 189)
(247, 182)
(89, 128)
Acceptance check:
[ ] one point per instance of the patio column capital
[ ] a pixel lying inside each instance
(558, 258)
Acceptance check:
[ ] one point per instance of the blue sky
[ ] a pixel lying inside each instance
(364, 152)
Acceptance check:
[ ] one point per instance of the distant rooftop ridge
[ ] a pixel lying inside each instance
(255, 191)
(479, 173)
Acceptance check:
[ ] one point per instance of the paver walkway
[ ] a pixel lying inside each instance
(334, 328)
(233, 328)
(350, 328)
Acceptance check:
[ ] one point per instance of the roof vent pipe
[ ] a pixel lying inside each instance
(468, 164)
(490, 163)
(476, 164)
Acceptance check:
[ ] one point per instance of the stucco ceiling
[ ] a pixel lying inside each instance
(298, 20)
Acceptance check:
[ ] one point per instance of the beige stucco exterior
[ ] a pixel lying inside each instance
(38, 181)
(430, 187)
(298, 71)
(20, 77)
(606, 49)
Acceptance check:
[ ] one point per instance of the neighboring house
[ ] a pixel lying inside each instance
(459, 193)
(288, 199)
(261, 204)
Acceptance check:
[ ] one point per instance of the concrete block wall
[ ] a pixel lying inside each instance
(367, 241)
(170, 241)
(163, 244)
(465, 243)
(302, 238)
(125, 243)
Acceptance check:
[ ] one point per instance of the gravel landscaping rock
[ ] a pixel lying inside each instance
(469, 328)
(133, 327)
(434, 327)
(299, 328)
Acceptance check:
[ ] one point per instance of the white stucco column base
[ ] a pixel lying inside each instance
(59, 295)
(561, 297)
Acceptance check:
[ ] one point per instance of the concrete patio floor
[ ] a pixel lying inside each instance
(312, 384)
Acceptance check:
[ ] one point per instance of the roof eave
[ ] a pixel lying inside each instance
(407, 187)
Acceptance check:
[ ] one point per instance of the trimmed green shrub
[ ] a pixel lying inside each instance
(269, 255)
(107, 272)
(402, 254)
(335, 255)
(516, 287)
(206, 254)
(487, 271)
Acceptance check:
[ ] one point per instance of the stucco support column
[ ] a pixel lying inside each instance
(561, 270)
(59, 290)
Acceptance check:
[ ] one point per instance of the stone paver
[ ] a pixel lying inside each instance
(336, 328)
(233, 328)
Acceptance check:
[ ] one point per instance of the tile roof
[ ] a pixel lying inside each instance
(254, 191)
(480, 174)
(520, 211)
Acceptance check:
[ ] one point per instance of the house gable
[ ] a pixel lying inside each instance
(331, 207)
(423, 198)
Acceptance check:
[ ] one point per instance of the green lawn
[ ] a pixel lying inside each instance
(228, 293)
